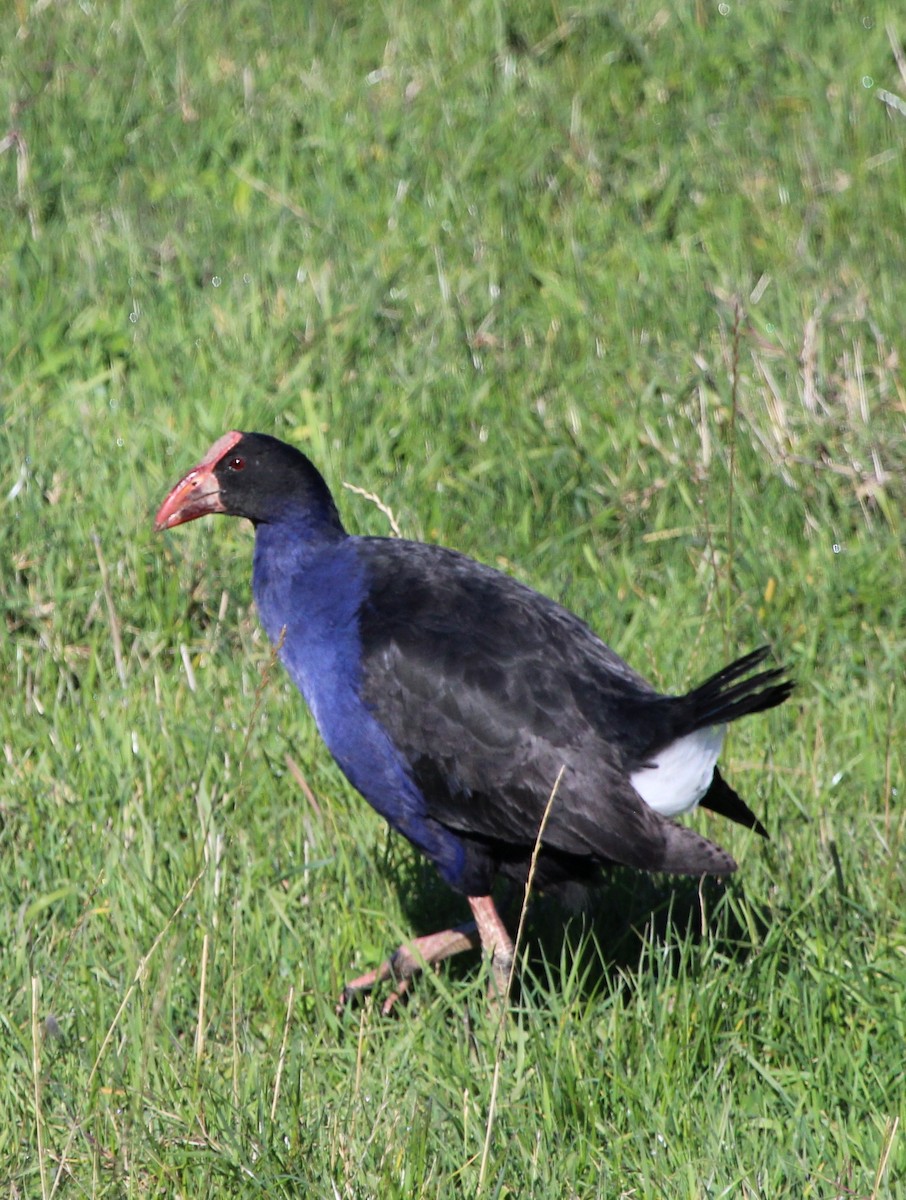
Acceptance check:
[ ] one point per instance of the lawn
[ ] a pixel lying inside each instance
(609, 297)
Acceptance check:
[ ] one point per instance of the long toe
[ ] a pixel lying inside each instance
(410, 959)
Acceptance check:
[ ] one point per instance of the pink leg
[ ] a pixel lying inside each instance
(495, 942)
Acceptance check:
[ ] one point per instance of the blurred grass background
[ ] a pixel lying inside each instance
(611, 297)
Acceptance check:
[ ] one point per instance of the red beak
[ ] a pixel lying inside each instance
(198, 492)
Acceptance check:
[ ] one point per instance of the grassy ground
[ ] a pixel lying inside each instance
(610, 296)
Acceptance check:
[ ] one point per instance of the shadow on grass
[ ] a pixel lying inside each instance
(608, 932)
(600, 934)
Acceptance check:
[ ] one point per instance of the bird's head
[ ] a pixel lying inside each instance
(250, 475)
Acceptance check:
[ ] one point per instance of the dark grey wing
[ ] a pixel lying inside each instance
(489, 689)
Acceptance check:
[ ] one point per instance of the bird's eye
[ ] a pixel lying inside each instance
(236, 464)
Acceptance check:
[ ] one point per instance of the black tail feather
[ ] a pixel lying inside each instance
(722, 799)
(716, 702)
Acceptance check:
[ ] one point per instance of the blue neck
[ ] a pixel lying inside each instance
(304, 575)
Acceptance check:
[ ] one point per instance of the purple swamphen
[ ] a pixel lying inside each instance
(457, 701)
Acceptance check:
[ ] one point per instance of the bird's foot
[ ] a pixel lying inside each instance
(407, 961)
(487, 931)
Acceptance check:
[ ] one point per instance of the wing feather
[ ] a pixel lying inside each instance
(489, 689)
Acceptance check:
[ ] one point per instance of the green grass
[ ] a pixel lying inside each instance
(609, 296)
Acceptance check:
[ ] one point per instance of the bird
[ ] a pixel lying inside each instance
(486, 723)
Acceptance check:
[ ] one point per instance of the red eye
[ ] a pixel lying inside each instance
(236, 464)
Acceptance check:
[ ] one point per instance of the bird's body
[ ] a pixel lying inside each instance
(456, 699)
